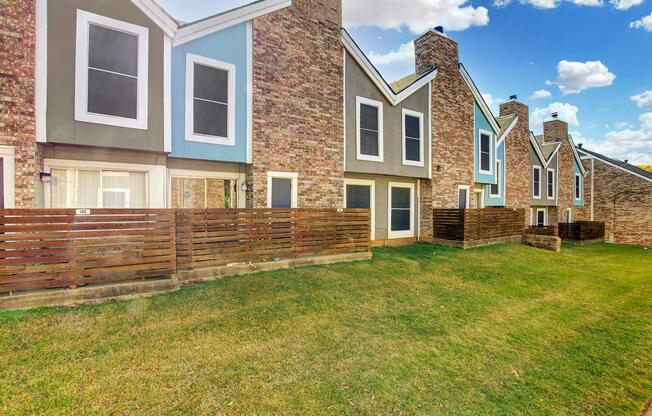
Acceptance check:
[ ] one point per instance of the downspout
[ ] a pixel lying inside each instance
(419, 210)
(592, 185)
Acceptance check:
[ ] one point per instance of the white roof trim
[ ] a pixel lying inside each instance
(158, 16)
(578, 159)
(377, 79)
(590, 156)
(537, 150)
(501, 139)
(227, 19)
(478, 98)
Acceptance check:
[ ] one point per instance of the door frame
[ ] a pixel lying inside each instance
(372, 184)
(400, 234)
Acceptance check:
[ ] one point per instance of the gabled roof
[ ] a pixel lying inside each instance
(506, 124)
(479, 99)
(631, 169)
(167, 23)
(544, 151)
(393, 96)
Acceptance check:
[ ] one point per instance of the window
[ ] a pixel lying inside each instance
(541, 217)
(485, 152)
(7, 177)
(282, 190)
(111, 72)
(551, 184)
(88, 188)
(210, 101)
(361, 194)
(203, 192)
(463, 197)
(401, 212)
(536, 182)
(494, 189)
(578, 186)
(412, 138)
(370, 130)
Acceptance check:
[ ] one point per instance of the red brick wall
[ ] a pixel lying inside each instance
(452, 120)
(622, 201)
(17, 63)
(518, 189)
(555, 131)
(298, 116)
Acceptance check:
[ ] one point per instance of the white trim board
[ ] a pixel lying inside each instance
(509, 129)
(410, 113)
(400, 234)
(157, 15)
(41, 71)
(492, 155)
(372, 185)
(200, 174)
(478, 98)
(593, 157)
(373, 74)
(293, 176)
(537, 150)
(359, 101)
(554, 184)
(537, 168)
(7, 153)
(499, 180)
(467, 188)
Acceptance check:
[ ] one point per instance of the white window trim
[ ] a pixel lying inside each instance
(379, 105)
(155, 186)
(499, 179)
(372, 184)
(545, 217)
(576, 188)
(400, 234)
(536, 195)
(7, 153)
(554, 184)
(492, 162)
(84, 19)
(283, 175)
(468, 195)
(191, 60)
(200, 174)
(418, 115)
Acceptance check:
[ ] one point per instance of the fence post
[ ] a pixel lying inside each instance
(75, 265)
(173, 241)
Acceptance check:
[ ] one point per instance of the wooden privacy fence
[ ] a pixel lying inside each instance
(477, 224)
(540, 230)
(208, 238)
(43, 249)
(582, 230)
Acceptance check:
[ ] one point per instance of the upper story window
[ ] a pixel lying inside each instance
(536, 182)
(210, 100)
(485, 152)
(578, 186)
(111, 72)
(369, 130)
(412, 138)
(551, 184)
(494, 189)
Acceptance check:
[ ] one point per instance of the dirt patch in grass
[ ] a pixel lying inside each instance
(647, 409)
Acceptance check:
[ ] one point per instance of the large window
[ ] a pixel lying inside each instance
(551, 184)
(485, 152)
(412, 138)
(369, 130)
(210, 101)
(88, 188)
(200, 192)
(361, 194)
(494, 189)
(282, 190)
(578, 187)
(401, 210)
(536, 182)
(111, 72)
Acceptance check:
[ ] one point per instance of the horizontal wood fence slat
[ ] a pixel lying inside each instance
(477, 224)
(582, 230)
(56, 248)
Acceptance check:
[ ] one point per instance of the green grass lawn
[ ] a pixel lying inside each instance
(505, 330)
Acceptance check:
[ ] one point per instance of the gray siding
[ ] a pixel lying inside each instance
(358, 84)
(61, 124)
(543, 201)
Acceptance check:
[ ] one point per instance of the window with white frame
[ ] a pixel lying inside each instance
(551, 184)
(578, 186)
(111, 72)
(541, 219)
(7, 179)
(369, 130)
(200, 192)
(412, 138)
(282, 190)
(89, 188)
(536, 182)
(359, 193)
(485, 152)
(401, 210)
(210, 100)
(494, 189)
(463, 196)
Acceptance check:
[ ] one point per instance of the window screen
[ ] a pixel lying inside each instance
(536, 181)
(462, 197)
(578, 187)
(112, 72)
(369, 130)
(281, 193)
(358, 196)
(412, 138)
(211, 101)
(495, 188)
(551, 184)
(401, 209)
(485, 152)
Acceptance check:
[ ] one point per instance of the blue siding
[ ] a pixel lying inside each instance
(498, 202)
(481, 123)
(228, 45)
(577, 170)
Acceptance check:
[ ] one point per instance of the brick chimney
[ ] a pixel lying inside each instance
(555, 130)
(433, 48)
(515, 107)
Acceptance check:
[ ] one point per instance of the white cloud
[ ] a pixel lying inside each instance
(419, 16)
(622, 125)
(575, 77)
(404, 54)
(643, 100)
(502, 3)
(578, 137)
(540, 94)
(633, 145)
(567, 113)
(644, 23)
(493, 103)
(588, 3)
(542, 4)
(625, 4)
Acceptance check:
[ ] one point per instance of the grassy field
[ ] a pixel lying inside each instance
(505, 330)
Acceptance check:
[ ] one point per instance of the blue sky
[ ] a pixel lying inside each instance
(590, 60)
